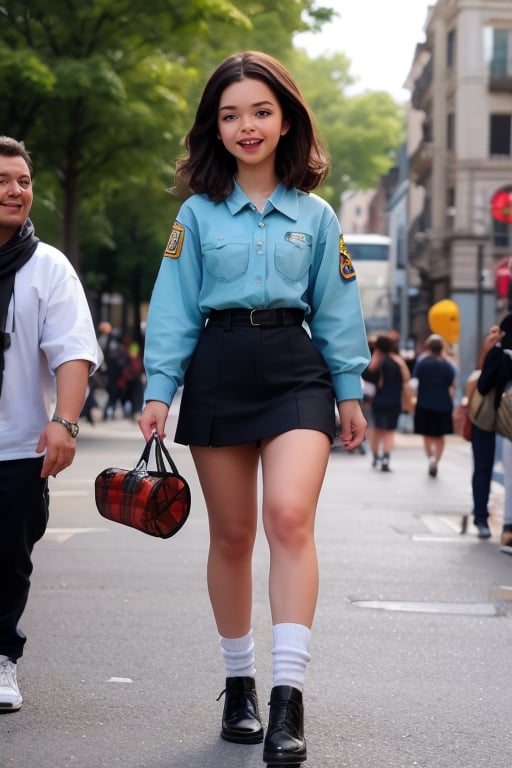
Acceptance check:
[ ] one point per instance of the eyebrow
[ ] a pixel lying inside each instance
(23, 175)
(256, 104)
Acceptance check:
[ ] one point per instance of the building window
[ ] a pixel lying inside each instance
(502, 234)
(499, 140)
(450, 131)
(501, 61)
(450, 49)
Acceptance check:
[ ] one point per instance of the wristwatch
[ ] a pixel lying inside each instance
(71, 427)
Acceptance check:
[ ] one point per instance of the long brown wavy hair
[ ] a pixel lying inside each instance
(301, 161)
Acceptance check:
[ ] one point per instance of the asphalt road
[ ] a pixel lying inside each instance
(412, 643)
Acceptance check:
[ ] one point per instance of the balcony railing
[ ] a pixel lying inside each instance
(422, 86)
(420, 162)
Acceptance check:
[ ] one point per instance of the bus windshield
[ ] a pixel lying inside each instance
(371, 257)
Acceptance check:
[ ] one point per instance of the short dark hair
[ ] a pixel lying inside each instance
(10, 147)
(384, 344)
(301, 161)
(435, 344)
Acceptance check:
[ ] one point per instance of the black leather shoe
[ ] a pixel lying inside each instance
(241, 721)
(285, 743)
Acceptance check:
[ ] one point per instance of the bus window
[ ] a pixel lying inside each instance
(370, 255)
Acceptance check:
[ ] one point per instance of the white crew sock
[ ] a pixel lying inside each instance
(290, 654)
(238, 655)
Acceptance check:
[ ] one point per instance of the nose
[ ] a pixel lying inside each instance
(14, 189)
(246, 123)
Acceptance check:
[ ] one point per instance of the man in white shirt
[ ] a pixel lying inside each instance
(48, 349)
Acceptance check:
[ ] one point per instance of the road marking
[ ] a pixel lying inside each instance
(61, 535)
(463, 609)
(439, 523)
(119, 680)
(69, 493)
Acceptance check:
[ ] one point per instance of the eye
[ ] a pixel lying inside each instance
(263, 113)
(228, 118)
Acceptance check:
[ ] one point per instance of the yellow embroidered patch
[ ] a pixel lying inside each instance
(175, 243)
(347, 270)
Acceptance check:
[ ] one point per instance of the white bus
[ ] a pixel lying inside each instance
(371, 257)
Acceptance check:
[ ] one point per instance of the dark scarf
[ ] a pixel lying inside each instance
(13, 255)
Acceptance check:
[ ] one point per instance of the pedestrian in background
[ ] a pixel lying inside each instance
(252, 255)
(48, 349)
(433, 415)
(497, 374)
(483, 446)
(390, 374)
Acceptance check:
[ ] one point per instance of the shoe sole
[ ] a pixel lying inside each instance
(274, 761)
(251, 738)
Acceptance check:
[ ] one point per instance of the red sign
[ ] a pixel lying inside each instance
(501, 205)
(503, 275)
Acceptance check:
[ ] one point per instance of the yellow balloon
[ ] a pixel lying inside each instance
(444, 319)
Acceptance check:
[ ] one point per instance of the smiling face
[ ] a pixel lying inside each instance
(251, 122)
(15, 195)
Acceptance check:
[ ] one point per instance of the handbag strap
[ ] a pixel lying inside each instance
(161, 452)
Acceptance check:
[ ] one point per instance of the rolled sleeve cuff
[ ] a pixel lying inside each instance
(347, 386)
(161, 388)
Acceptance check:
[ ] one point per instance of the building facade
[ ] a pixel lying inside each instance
(459, 163)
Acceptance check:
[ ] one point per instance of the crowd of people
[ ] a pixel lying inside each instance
(425, 387)
(118, 385)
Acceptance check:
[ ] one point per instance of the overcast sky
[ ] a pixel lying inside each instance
(378, 36)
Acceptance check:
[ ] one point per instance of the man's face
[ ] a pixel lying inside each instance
(15, 195)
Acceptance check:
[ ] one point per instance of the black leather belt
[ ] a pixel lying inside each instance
(257, 318)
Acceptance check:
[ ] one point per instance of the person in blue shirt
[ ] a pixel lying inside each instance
(251, 258)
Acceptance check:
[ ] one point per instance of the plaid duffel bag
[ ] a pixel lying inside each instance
(154, 502)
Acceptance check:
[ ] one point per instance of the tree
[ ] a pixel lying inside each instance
(362, 132)
(83, 102)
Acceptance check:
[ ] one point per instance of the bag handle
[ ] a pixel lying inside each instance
(160, 452)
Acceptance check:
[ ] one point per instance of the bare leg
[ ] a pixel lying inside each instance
(228, 477)
(294, 465)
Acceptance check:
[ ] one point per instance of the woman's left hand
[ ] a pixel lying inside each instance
(353, 424)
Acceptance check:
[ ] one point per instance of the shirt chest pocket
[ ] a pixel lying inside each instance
(292, 260)
(226, 261)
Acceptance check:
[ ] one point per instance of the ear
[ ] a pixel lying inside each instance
(285, 127)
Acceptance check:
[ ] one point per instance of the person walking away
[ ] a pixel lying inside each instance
(389, 373)
(252, 255)
(433, 415)
(48, 350)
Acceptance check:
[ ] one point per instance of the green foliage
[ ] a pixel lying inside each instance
(360, 132)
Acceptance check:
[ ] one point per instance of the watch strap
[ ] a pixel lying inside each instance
(71, 426)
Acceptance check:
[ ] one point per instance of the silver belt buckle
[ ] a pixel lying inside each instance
(251, 318)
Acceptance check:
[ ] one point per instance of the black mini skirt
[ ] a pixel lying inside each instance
(245, 383)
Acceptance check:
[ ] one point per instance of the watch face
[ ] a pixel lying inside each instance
(73, 430)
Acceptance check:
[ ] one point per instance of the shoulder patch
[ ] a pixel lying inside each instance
(347, 270)
(175, 242)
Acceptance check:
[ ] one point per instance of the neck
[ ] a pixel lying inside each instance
(258, 186)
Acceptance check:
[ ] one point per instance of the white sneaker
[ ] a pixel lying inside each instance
(10, 696)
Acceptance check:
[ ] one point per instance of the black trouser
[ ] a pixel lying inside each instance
(24, 503)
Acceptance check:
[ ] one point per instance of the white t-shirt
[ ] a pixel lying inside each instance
(49, 323)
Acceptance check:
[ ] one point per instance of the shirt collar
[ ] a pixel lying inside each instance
(286, 201)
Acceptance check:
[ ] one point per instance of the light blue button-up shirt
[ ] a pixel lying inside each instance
(229, 254)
